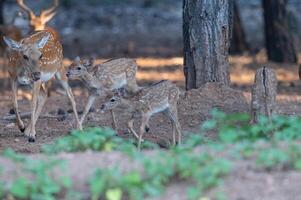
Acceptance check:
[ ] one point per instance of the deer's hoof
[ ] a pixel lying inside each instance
(22, 129)
(31, 139)
(146, 129)
(61, 118)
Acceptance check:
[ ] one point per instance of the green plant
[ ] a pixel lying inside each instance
(236, 127)
(204, 169)
(200, 160)
(96, 139)
(35, 181)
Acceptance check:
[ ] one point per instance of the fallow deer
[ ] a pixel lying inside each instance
(38, 23)
(34, 61)
(102, 79)
(160, 97)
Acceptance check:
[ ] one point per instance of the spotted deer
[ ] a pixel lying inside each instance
(104, 78)
(34, 61)
(160, 97)
(38, 23)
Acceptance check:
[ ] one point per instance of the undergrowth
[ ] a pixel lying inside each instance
(200, 161)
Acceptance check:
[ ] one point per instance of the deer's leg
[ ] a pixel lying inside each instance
(19, 121)
(30, 129)
(61, 76)
(90, 102)
(144, 122)
(41, 101)
(167, 114)
(130, 125)
(173, 113)
(114, 120)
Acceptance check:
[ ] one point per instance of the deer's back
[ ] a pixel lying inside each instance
(115, 67)
(158, 95)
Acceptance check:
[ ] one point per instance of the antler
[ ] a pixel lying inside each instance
(25, 8)
(50, 10)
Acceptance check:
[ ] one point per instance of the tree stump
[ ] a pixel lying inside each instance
(264, 93)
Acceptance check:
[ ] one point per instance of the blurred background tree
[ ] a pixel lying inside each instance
(278, 39)
(239, 44)
(1, 12)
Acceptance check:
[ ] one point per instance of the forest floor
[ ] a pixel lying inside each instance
(194, 108)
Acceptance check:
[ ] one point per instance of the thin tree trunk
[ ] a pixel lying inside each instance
(206, 32)
(279, 41)
(238, 42)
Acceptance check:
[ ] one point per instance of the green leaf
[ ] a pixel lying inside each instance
(20, 188)
(297, 165)
(114, 194)
(209, 125)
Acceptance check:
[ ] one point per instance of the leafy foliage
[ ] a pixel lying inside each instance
(270, 144)
(35, 181)
(236, 127)
(96, 139)
(204, 169)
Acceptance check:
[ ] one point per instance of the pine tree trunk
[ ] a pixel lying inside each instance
(238, 43)
(206, 32)
(279, 41)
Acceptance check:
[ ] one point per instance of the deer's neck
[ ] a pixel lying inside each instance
(90, 80)
(131, 104)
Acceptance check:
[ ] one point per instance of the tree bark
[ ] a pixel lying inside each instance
(279, 41)
(238, 42)
(1, 12)
(206, 33)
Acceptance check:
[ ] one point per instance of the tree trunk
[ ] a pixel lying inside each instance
(238, 42)
(279, 41)
(206, 33)
(1, 12)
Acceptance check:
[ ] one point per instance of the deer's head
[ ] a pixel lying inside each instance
(39, 22)
(79, 67)
(112, 103)
(29, 55)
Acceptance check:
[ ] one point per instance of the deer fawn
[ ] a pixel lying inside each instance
(104, 78)
(160, 97)
(34, 61)
(38, 23)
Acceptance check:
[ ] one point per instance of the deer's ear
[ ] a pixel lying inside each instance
(77, 59)
(88, 62)
(12, 44)
(43, 41)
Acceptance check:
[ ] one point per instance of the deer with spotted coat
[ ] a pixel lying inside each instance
(34, 61)
(160, 97)
(104, 78)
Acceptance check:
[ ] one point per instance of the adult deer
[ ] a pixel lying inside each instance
(35, 60)
(38, 23)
